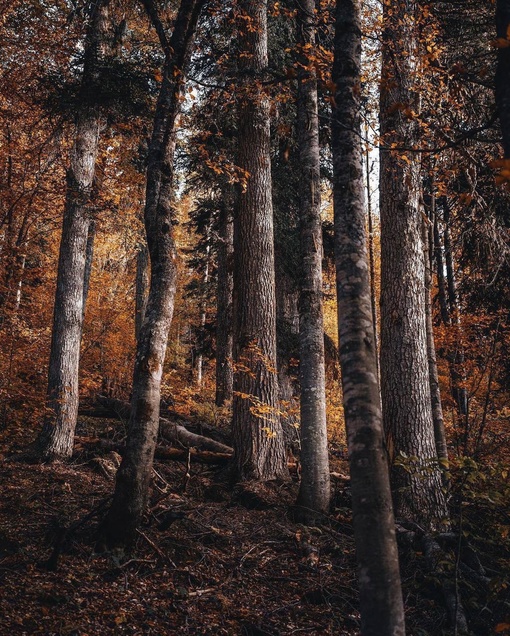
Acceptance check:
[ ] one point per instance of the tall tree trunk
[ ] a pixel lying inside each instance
(57, 437)
(382, 612)
(371, 251)
(89, 257)
(142, 283)
(314, 492)
(133, 478)
(435, 393)
(224, 371)
(203, 313)
(405, 386)
(257, 432)
(502, 80)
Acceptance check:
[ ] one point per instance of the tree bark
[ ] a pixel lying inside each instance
(314, 492)
(133, 477)
(257, 432)
(382, 612)
(56, 439)
(224, 338)
(435, 393)
(142, 283)
(405, 386)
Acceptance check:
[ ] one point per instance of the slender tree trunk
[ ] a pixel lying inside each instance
(371, 249)
(457, 356)
(224, 371)
(405, 386)
(89, 257)
(382, 612)
(203, 314)
(133, 478)
(502, 80)
(314, 492)
(257, 432)
(435, 393)
(142, 284)
(57, 437)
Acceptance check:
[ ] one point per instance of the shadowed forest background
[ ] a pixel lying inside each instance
(254, 317)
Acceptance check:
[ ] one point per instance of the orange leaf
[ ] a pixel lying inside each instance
(501, 627)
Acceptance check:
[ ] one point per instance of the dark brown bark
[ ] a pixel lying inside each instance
(502, 80)
(89, 257)
(142, 284)
(405, 387)
(257, 432)
(314, 492)
(56, 438)
(133, 477)
(435, 393)
(224, 338)
(382, 611)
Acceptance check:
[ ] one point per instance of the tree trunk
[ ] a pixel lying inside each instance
(435, 393)
(89, 257)
(56, 439)
(405, 386)
(224, 371)
(314, 492)
(133, 477)
(382, 612)
(142, 283)
(502, 80)
(257, 433)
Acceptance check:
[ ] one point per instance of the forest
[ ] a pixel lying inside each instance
(255, 317)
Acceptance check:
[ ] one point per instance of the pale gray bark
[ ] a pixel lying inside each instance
(382, 612)
(405, 387)
(224, 337)
(133, 478)
(314, 491)
(257, 433)
(57, 437)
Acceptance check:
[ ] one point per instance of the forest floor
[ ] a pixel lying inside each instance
(231, 564)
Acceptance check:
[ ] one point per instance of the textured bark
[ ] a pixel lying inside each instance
(502, 80)
(133, 477)
(382, 611)
(257, 432)
(314, 492)
(142, 284)
(224, 338)
(57, 437)
(405, 387)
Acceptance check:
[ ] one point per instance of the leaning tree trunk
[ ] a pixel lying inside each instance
(224, 371)
(257, 433)
(314, 492)
(382, 612)
(405, 387)
(57, 437)
(133, 478)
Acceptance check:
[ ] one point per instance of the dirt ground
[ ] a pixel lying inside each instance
(208, 561)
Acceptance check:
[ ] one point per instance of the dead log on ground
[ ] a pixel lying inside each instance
(170, 430)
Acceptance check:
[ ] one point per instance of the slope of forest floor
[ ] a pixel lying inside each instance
(208, 560)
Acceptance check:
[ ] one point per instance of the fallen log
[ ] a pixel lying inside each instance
(162, 452)
(172, 431)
